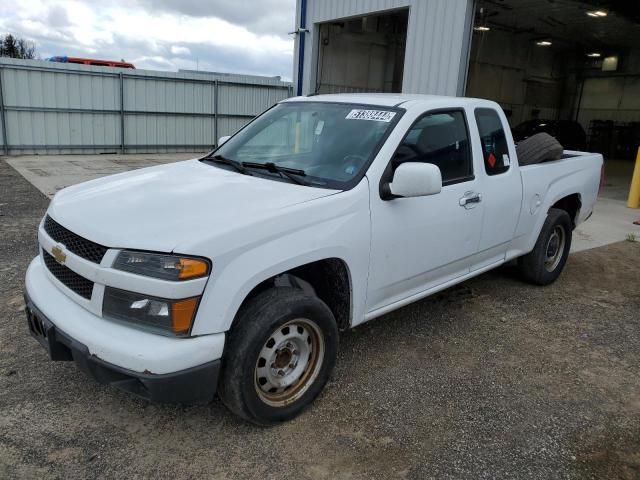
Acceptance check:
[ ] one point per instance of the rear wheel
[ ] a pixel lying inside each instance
(547, 259)
(279, 356)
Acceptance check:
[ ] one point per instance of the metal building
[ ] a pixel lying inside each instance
(570, 68)
(361, 46)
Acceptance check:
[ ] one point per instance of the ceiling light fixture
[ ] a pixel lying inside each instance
(594, 55)
(597, 13)
(544, 43)
(482, 28)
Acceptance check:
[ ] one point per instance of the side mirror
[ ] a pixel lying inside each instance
(221, 140)
(415, 179)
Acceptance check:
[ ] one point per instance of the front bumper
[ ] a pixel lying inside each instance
(152, 366)
(193, 385)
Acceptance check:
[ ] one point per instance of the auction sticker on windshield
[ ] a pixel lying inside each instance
(375, 115)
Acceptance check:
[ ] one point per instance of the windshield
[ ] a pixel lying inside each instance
(332, 144)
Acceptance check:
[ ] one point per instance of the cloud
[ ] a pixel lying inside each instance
(57, 17)
(275, 17)
(180, 51)
(238, 37)
(155, 63)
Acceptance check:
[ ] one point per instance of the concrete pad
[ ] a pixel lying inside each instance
(611, 222)
(50, 173)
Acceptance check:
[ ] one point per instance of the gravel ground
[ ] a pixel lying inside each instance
(492, 379)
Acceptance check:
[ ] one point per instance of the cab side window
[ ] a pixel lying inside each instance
(440, 138)
(495, 149)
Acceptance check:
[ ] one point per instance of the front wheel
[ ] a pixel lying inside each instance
(279, 356)
(547, 259)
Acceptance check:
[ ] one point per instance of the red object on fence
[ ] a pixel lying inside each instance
(92, 61)
(103, 63)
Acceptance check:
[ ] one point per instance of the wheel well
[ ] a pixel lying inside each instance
(327, 279)
(570, 204)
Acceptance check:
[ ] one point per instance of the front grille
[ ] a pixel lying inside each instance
(68, 277)
(75, 243)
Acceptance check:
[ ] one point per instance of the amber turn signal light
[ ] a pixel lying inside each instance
(182, 315)
(192, 268)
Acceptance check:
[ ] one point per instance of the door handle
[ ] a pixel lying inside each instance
(470, 200)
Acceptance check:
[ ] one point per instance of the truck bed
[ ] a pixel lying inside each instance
(543, 184)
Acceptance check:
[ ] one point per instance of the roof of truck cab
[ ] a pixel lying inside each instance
(391, 99)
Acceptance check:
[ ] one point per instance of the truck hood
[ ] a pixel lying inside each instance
(160, 207)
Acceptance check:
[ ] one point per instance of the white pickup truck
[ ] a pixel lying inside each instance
(235, 272)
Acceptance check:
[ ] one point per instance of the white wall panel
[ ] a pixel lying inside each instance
(514, 72)
(66, 108)
(437, 40)
(164, 130)
(248, 100)
(610, 98)
(230, 125)
(42, 129)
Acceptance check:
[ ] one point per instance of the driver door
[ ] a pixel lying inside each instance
(422, 242)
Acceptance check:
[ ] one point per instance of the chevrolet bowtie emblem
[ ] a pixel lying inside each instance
(58, 254)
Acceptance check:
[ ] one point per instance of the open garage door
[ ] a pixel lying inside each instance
(362, 54)
(571, 68)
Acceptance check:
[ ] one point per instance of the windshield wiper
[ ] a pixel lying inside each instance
(227, 161)
(290, 173)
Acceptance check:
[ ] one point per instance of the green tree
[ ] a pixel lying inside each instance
(14, 47)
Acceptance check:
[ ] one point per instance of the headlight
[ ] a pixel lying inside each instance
(173, 317)
(166, 267)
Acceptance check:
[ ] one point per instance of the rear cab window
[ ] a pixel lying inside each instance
(495, 148)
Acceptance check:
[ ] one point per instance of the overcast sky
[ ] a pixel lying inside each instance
(240, 36)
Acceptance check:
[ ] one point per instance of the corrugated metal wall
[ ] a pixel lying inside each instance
(517, 74)
(610, 98)
(438, 40)
(63, 108)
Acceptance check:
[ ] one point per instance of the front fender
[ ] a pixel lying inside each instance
(340, 229)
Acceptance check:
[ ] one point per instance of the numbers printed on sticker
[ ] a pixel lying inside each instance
(373, 115)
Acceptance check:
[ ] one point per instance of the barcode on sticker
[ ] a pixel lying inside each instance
(375, 115)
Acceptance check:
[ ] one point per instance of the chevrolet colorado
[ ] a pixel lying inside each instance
(234, 273)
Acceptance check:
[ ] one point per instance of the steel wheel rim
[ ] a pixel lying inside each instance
(555, 248)
(289, 362)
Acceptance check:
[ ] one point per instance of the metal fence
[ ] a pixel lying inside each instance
(54, 108)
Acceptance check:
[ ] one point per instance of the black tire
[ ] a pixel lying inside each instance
(538, 148)
(536, 267)
(261, 320)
